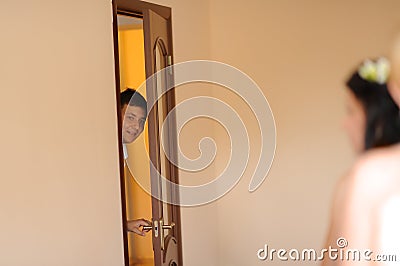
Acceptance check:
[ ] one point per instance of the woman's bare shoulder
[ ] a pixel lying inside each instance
(377, 171)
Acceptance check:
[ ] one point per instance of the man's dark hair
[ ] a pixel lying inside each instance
(133, 98)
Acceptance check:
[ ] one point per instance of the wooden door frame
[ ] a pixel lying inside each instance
(136, 8)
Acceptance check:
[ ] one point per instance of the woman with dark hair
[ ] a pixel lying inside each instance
(366, 206)
(370, 108)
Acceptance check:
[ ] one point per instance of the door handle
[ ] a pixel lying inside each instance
(147, 227)
(166, 226)
(154, 227)
(169, 227)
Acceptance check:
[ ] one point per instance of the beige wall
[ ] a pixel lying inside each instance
(300, 55)
(59, 191)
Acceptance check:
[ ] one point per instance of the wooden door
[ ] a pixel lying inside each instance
(166, 217)
(166, 227)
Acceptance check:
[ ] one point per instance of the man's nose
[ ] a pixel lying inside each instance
(135, 125)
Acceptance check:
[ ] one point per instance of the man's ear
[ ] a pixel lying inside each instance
(123, 109)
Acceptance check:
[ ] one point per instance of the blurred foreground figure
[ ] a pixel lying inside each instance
(366, 206)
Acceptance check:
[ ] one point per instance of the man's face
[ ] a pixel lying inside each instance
(133, 124)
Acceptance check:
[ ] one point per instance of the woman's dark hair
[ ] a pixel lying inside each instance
(133, 98)
(382, 113)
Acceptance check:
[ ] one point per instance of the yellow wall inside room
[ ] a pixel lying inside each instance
(132, 73)
(131, 49)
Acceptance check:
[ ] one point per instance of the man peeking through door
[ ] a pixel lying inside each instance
(134, 112)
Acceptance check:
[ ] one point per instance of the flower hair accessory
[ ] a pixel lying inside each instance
(377, 72)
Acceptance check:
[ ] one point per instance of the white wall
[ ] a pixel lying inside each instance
(59, 188)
